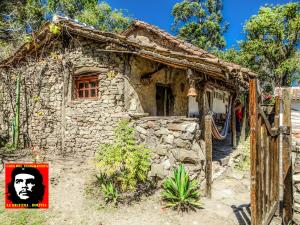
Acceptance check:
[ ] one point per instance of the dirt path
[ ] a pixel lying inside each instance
(71, 204)
(71, 201)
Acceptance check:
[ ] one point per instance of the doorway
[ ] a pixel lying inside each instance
(164, 100)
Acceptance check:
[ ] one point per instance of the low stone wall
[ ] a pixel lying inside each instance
(173, 140)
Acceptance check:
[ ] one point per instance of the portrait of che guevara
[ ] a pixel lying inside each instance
(26, 186)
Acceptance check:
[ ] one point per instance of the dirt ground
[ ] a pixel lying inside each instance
(73, 201)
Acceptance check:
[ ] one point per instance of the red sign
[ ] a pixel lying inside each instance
(26, 185)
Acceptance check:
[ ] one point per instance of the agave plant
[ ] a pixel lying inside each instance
(180, 192)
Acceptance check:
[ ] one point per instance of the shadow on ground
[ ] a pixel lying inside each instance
(242, 213)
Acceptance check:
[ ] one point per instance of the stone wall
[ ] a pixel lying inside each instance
(173, 140)
(54, 121)
(142, 98)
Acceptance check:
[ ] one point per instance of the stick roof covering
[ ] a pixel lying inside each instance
(190, 56)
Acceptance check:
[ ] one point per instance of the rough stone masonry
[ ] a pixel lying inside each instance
(52, 120)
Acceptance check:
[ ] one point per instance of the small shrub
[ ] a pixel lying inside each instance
(110, 193)
(180, 192)
(124, 162)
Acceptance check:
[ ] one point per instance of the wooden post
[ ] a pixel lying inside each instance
(253, 152)
(208, 146)
(233, 125)
(244, 122)
(277, 152)
(287, 157)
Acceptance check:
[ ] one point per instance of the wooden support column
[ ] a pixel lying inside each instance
(253, 150)
(287, 157)
(233, 125)
(244, 122)
(208, 151)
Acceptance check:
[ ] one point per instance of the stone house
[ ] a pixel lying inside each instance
(76, 84)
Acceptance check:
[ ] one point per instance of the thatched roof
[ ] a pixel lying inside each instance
(190, 57)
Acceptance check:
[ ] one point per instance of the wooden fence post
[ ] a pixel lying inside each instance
(253, 152)
(208, 151)
(287, 157)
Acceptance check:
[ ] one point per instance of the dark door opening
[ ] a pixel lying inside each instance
(164, 100)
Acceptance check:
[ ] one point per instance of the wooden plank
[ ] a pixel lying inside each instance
(253, 152)
(286, 159)
(276, 152)
(259, 172)
(273, 132)
(264, 170)
(269, 215)
(271, 165)
(208, 146)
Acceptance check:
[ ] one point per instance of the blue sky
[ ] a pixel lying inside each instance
(158, 12)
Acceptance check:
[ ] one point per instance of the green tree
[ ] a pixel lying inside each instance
(102, 17)
(270, 48)
(69, 8)
(17, 20)
(200, 22)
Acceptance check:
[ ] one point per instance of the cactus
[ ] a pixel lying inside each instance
(16, 119)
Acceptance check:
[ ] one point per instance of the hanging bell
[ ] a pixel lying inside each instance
(192, 92)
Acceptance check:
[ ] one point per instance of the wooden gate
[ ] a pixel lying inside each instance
(265, 164)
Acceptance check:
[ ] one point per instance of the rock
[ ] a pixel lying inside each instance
(162, 131)
(185, 156)
(175, 127)
(157, 170)
(202, 144)
(161, 150)
(141, 130)
(297, 168)
(224, 161)
(296, 218)
(297, 197)
(182, 143)
(191, 128)
(297, 207)
(196, 147)
(187, 136)
(296, 178)
(169, 139)
(167, 164)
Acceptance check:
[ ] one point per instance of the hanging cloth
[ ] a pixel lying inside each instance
(215, 132)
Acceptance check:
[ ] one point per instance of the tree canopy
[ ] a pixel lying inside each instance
(200, 22)
(19, 18)
(270, 47)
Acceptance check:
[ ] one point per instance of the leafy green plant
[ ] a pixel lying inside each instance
(110, 193)
(180, 192)
(124, 162)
